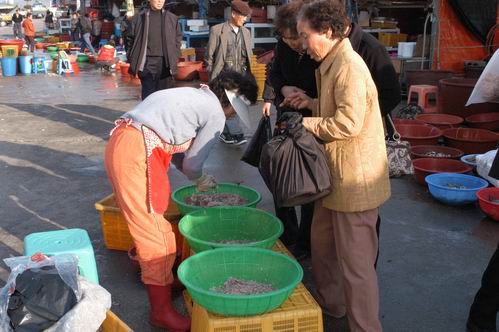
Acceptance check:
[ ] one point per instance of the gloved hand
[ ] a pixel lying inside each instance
(205, 183)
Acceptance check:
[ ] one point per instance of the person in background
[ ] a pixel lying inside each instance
(17, 20)
(229, 47)
(29, 32)
(106, 59)
(75, 27)
(96, 32)
(49, 21)
(292, 70)
(483, 311)
(153, 47)
(347, 118)
(85, 31)
(125, 27)
(178, 125)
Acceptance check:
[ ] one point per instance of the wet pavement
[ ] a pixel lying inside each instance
(53, 131)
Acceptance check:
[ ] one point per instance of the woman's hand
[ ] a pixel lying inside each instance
(266, 108)
(287, 90)
(297, 100)
(205, 183)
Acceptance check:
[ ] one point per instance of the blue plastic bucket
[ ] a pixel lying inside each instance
(9, 66)
(25, 64)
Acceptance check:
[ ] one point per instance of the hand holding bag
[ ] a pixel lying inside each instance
(398, 153)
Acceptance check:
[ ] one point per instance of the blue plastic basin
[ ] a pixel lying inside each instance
(442, 188)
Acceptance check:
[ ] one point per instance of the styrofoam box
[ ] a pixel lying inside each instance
(193, 23)
(199, 28)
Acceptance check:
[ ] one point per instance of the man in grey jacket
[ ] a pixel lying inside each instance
(153, 46)
(85, 30)
(229, 47)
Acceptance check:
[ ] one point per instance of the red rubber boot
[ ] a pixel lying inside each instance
(162, 312)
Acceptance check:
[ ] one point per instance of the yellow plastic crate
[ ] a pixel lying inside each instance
(9, 51)
(113, 323)
(115, 229)
(300, 313)
(391, 39)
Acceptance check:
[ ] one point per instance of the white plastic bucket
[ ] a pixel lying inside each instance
(406, 49)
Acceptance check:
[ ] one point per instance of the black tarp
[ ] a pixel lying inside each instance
(478, 16)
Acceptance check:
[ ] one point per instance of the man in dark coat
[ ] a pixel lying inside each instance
(153, 47)
(17, 19)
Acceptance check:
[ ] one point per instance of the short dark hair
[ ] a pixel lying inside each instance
(286, 17)
(28, 14)
(232, 80)
(326, 14)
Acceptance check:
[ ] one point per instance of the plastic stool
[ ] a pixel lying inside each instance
(67, 241)
(39, 65)
(423, 93)
(64, 64)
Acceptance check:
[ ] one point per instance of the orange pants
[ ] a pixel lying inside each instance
(126, 167)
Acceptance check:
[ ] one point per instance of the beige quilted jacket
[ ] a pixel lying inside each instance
(347, 118)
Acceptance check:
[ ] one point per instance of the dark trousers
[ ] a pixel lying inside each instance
(30, 40)
(155, 76)
(484, 309)
(294, 233)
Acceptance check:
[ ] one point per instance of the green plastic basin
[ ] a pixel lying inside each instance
(52, 49)
(82, 58)
(204, 228)
(252, 196)
(212, 268)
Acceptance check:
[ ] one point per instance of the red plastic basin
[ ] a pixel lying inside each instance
(485, 197)
(471, 140)
(488, 121)
(14, 42)
(426, 166)
(442, 121)
(419, 134)
(203, 75)
(420, 151)
(124, 68)
(188, 70)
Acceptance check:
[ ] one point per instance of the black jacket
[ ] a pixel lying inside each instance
(380, 65)
(136, 40)
(372, 52)
(17, 18)
(291, 68)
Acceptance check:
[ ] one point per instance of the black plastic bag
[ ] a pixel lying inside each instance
(262, 135)
(293, 165)
(40, 299)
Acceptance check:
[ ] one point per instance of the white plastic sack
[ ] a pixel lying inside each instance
(487, 87)
(66, 265)
(89, 313)
(484, 163)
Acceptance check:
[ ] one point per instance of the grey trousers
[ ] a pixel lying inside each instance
(233, 126)
(18, 31)
(87, 42)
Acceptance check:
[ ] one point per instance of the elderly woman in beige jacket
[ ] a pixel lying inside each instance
(347, 119)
